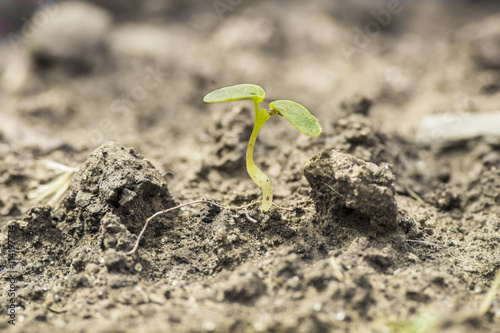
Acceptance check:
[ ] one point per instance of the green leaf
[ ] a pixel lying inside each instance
(297, 115)
(232, 93)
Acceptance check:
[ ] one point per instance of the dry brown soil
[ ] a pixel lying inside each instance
(373, 231)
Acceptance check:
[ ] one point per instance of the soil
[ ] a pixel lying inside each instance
(372, 231)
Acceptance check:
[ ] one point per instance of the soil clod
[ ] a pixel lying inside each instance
(341, 182)
(117, 181)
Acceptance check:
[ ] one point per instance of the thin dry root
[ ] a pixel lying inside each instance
(136, 245)
(174, 208)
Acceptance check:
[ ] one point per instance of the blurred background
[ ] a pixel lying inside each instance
(76, 74)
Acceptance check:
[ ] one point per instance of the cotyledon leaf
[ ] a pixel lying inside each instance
(232, 93)
(298, 116)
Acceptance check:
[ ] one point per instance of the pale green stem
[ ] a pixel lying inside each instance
(257, 175)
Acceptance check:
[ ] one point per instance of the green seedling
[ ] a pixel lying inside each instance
(295, 113)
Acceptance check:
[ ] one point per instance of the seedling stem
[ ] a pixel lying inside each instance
(295, 113)
(261, 116)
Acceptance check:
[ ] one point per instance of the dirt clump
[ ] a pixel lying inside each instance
(117, 181)
(342, 184)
